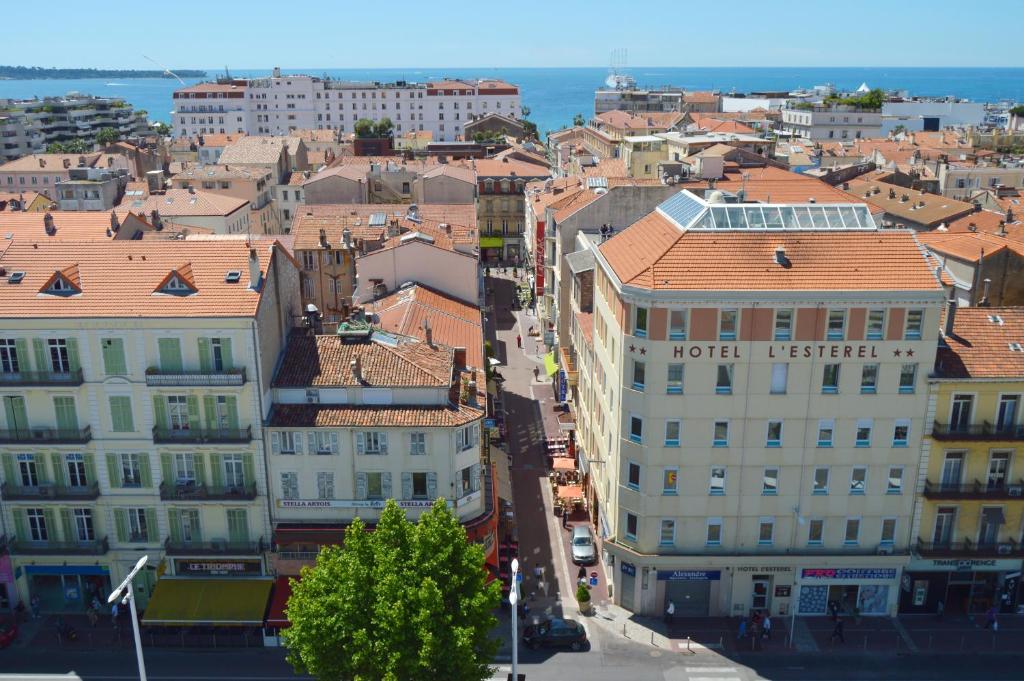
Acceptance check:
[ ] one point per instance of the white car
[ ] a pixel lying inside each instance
(583, 550)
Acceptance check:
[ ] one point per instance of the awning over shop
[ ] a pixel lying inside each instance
(278, 602)
(563, 463)
(550, 364)
(228, 602)
(491, 242)
(501, 464)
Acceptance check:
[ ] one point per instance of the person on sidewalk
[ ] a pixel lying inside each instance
(741, 633)
(837, 631)
(766, 627)
(33, 603)
(990, 619)
(670, 613)
(565, 518)
(519, 341)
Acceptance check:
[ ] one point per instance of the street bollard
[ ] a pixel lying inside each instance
(688, 645)
(624, 630)
(929, 642)
(652, 637)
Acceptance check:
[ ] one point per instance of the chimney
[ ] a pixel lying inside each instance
(115, 224)
(42, 163)
(984, 296)
(971, 227)
(191, 189)
(48, 225)
(459, 357)
(1002, 228)
(255, 277)
(429, 332)
(947, 331)
(356, 365)
(471, 394)
(323, 237)
(346, 238)
(154, 216)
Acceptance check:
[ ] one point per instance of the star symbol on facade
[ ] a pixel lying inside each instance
(643, 351)
(632, 348)
(910, 353)
(896, 353)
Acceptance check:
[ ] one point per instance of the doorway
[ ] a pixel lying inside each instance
(690, 598)
(845, 596)
(761, 586)
(627, 580)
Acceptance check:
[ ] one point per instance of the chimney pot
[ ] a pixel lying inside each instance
(950, 317)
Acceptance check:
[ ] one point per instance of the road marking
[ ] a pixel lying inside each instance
(711, 670)
(714, 678)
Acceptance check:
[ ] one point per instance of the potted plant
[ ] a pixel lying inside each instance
(583, 597)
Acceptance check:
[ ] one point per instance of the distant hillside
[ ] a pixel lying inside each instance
(38, 73)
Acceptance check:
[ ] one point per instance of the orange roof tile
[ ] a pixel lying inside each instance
(489, 167)
(979, 346)
(453, 322)
(652, 120)
(922, 208)
(331, 416)
(586, 324)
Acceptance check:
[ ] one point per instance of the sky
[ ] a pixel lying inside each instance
(525, 33)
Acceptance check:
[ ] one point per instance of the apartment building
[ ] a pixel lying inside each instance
(968, 522)
(40, 172)
(133, 377)
(831, 122)
(91, 189)
(501, 206)
(755, 406)
(280, 104)
(189, 210)
(28, 126)
(253, 184)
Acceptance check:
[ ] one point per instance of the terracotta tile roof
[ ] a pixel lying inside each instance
(215, 140)
(489, 167)
(989, 221)
(211, 87)
(50, 162)
(353, 173)
(219, 171)
(606, 167)
(586, 324)
(450, 237)
(183, 203)
(331, 416)
(705, 97)
(334, 219)
(453, 322)
(570, 204)
(118, 278)
(653, 120)
(69, 225)
(654, 254)
(925, 209)
(254, 150)
(452, 170)
(969, 246)
(27, 197)
(979, 346)
(453, 213)
(714, 123)
(775, 185)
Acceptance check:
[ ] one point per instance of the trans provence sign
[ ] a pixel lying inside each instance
(538, 260)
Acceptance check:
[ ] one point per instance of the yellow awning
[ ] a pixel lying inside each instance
(550, 365)
(208, 601)
(491, 242)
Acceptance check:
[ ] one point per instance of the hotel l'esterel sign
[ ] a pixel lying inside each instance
(778, 351)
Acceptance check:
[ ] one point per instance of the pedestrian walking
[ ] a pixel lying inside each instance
(33, 603)
(833, 610)
(581, 575)
(565, 518)
(670, 613)
(519, 341)
(990, 619)
(114, 612)
(741, 633)
(93, 617)
(837, 631)
(766, 627)
(940, 608)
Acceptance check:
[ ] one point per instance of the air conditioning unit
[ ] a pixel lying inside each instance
(1004, 549)
(1015, 490)
(885, 550)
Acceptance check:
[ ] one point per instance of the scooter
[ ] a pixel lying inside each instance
(66, 631)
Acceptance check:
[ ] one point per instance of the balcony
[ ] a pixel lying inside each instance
(978, 432)
(569, 365)
(54, 436)
(820, 551)
(193, 492)
(193, 436)
(973, 490)
(214, 548)
(199, 379)
(50, 492)
(969, 549)
(98, 547)
(23, 378)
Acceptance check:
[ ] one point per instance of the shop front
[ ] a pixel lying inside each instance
(960, 585)
(66, 588)
(865, 591)
(207, 612)
(276, 618)
(492, 249)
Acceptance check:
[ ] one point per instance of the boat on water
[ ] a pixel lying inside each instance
(620, 81)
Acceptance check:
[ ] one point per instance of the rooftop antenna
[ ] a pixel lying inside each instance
(166, 70)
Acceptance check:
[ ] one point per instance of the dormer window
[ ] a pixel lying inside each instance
(176, 285)
(178, 282)
(63, 282)
(60, 285)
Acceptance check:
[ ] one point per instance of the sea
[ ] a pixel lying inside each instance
(555, 95)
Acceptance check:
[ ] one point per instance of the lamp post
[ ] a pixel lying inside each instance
(125, 593)
(513, 599)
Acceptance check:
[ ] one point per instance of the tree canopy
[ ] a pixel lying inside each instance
(74, 146)
(107, 136)
(406, 602)
(578, 120)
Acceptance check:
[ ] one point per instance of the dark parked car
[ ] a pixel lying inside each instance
(8, 632)
(555, 633)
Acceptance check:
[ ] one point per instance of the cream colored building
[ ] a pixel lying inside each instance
(756, 406)
(133, 377)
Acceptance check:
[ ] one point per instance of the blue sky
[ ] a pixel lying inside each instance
(525, 33)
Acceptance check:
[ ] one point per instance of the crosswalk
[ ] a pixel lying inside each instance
(710, 673)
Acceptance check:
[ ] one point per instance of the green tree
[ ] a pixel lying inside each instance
(578, 120)
(1017, 110)
(524, 111)
(406, 602)
(364, 128)
(162, 129)
(383, 128)
(899, 129)
(73, 146)
(530, 131)
(107, 136)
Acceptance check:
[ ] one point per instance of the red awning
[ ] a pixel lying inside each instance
(278, 601)
(320, 535)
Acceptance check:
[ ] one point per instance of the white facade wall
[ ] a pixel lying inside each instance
(447, 271)
(832, 125)
(911, 115)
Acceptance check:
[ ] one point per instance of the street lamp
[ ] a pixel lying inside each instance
(125, 593)
(513, 599)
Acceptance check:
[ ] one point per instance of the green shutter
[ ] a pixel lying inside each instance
(174, 522)
(193, 522)
(42, 362)
(216, 470)
(113, 357)
(67, 416)
(167, 469)
(121, 414)
(66, 526)
(17, 413)
(121, 521)
(238, 526)
(90, 468)
(199, 461)
(73, 361)
(57, 462)
(205, 356)
(21, 350)
(170, 355)
(193, 412)
(41, 471)
(210, 411)
(250, 469)
(231, 403)
(225, 351)
(152, 531)
(20, 526)
(145, 469)
(10, 477)
(160, 411)
(114, 470)
(50, 518)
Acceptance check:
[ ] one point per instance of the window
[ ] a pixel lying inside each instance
(465, 438)
(9, 363)
(675, 379)
(374, 442)
(121, 414)
(894, 484)
(830, 379)
(766, 531)
(668, 532)
(770, 481)
(631, 526)
(420, 486)
(780, 375)
(721, 434)
(639, 375)
(717, 485)
(633, 475)
(783, 325)
(84, 529)
(184, 469)
(636, 429)
(723, 384)
(60, 361)
(290, 485)
(291, 442)
(888, 531)
(901, 433)
(74, 465)
(820, 481)
(876, 324)
(670, 481)
(131, 470)
(836, 325)
(774, 435)
(234, 470)
(858, 480)
(825, 432)
(177, 412)
(640, 322)
(727, 325)
(325, 485)
(864, 433)
(418, 444)
(374, 485)
(37, 524)
(672, 429)
(908, 378)
(713, 537)
(1006, 415)
(677, 325)
(852, 535)
(815, 531)
(113, 357)
(915, 321)
(869, 379)
(138, 527)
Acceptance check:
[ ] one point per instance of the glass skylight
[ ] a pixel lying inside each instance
(691, 212)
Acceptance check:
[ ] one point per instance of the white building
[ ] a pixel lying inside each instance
(839, 122)
(931, 115)
(210, 108)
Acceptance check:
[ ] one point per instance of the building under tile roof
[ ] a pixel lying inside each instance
(986, 342)
(452, 322)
